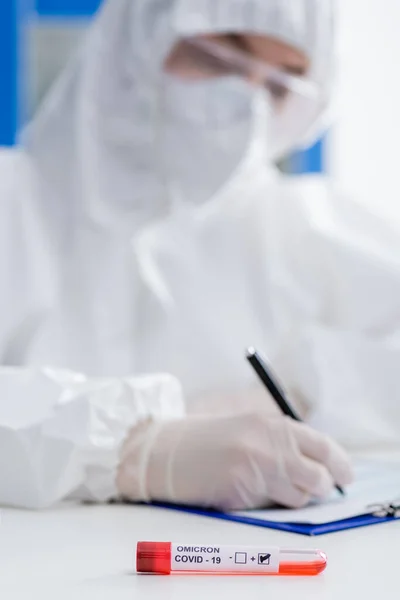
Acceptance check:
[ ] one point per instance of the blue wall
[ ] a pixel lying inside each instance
(310, 161)
(67, 8)
(10, 60)
(14, 14)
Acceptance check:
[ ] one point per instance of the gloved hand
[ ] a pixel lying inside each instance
(231, 462)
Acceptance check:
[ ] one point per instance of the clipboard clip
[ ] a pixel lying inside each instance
(385, 511)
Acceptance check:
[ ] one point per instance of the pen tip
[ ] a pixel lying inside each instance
(340, 490)
(251, 351)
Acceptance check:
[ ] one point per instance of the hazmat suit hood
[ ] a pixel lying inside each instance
(95, 139)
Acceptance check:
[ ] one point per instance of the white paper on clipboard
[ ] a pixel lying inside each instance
(376, 483)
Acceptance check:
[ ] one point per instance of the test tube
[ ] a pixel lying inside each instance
(166, 558)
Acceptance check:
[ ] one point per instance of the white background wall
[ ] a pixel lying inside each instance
(364, 151)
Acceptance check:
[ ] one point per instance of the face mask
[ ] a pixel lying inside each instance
(206, 129)
(248, 169)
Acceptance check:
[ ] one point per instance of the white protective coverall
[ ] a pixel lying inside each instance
(106, 274)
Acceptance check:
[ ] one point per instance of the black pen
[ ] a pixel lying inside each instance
(274, 389)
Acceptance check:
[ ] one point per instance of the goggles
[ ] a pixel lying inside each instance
(205, 58)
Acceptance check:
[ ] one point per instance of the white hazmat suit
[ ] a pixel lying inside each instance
(107, 273)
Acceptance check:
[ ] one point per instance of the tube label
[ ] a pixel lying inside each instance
(198, 557)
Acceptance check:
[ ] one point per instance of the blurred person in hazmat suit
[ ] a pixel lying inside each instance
(147, 239)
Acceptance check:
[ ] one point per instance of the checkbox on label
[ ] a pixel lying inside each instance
(241, 558)
(264, 559)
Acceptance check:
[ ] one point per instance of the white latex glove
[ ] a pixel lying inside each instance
(232, 462)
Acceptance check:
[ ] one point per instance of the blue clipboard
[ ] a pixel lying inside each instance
(310, 529)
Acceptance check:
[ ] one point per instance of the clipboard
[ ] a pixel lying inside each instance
(308, 529)
(373, 499)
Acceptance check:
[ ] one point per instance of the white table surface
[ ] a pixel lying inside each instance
(87, 552)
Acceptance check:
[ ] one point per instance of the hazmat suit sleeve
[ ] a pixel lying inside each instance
(61, 433)
(340, 265)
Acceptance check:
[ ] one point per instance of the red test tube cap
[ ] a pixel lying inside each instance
(153, 557)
